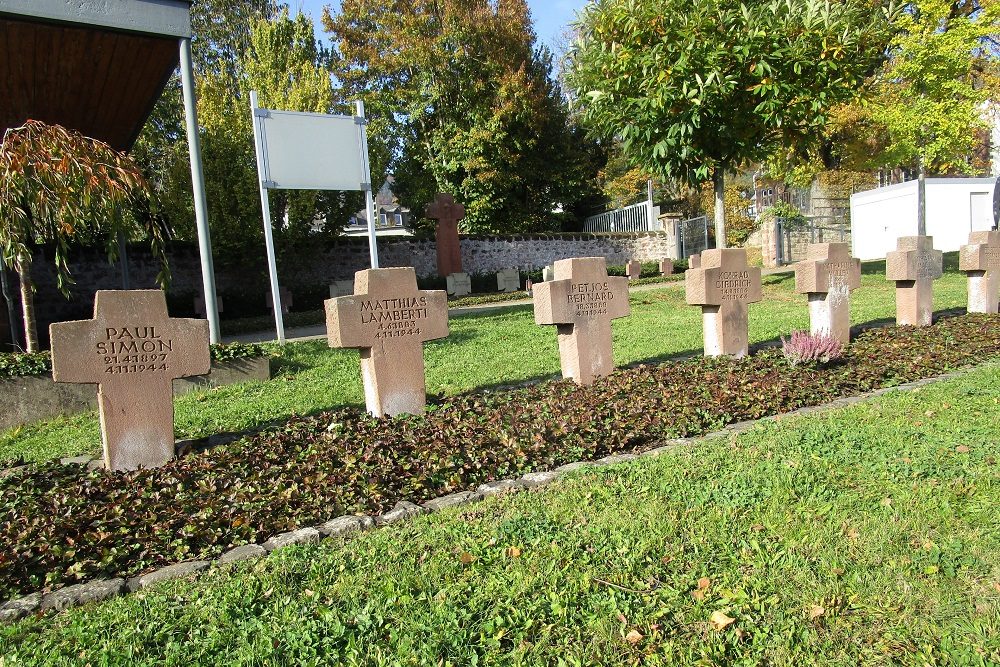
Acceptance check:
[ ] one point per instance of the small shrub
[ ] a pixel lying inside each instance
(806, 348)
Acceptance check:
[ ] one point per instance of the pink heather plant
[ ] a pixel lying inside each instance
(806, 348)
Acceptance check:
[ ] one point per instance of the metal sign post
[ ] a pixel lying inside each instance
(265, 203)
(370, 211)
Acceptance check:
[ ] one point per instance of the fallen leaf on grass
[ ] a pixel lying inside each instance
(633, 637)
(720, 621)
(514, 552)
(815, 612)
(962, 449)
(466, 558)
(704, 583)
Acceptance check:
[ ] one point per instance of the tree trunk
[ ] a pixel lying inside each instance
(28, 302)
(719, 181)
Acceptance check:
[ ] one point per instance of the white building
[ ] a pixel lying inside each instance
(955, 207)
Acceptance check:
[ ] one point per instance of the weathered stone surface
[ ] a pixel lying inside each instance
(286, 300)
(403, 510)
(16, 609)
(828, 275)
(694, 261)
(78, 594)
(168, 573)
(536, 479)
(343, 526)
(459, 284)
(657, 451)
(133, 350)
(980, 260)
(666, 267)
(508, 280)
(76, 460)
(244, 552)
(447, 212)
(914, 266)
(617, 458)
(500, 486)
(723, 285)
(633, 270)
(453, 500)
(581, 301)
(389, 319)
(300, 536)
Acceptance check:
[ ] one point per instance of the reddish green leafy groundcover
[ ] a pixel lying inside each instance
(63, 524)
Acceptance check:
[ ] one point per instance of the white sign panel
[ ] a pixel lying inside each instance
(308, 151)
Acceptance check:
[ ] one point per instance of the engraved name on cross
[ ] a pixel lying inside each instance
(133, 351)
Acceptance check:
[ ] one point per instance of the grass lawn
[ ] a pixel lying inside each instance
(864, 536)
(483, 350)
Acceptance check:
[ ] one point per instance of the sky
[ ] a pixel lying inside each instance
(550, 16)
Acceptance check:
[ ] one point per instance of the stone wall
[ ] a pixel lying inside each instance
(243, 288)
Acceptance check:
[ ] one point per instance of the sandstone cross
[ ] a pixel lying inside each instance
(914, 265)
(666, 267)
(981, 262)
(723, 285)
(133, 351)
(458, 284)
(581, 300)
(388, 319)
(449, 250)
(828, 275)
(508, 280)
(633, 270)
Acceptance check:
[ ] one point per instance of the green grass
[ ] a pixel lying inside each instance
(483, 350)
(864, 536)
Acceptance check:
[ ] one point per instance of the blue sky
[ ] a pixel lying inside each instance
(550, 16)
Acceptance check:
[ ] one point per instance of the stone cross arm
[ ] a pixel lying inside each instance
(914, 259)
(827, 265)
(722, 276)
(565, 301)
(445, 208)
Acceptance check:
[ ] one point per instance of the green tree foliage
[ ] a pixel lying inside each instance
(926, 103)
(59, 187)
(462, 102)
(695, 88)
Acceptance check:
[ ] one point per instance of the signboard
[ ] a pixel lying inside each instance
(310, 151)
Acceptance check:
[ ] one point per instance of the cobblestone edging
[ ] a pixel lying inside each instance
(346, 526)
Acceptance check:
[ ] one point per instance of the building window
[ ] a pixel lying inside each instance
(399, 219)
(383, 220)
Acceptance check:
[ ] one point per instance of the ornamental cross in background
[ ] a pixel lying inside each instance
(980, 260)
(723, 285)
(388, 319)
(133, 351)
(449, 250)
(914, 265)
(581, 300)
(828, 275)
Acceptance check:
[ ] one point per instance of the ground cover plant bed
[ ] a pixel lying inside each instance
(64, 524)
(860, 536)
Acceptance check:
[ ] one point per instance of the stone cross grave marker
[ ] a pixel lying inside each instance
(633, 270)
(914, 265)
(581, 301)
(828, 275)
(388, 319)
(694, 261)
(133, 350)
(666, 267)
(723, 285)
(459, 284)
(547, 273)
(509, 280)
(980, 260)
(447, 212)
(286, 300)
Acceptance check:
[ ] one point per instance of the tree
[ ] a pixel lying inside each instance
(462, 101)
(57, 186)
(926, 104)
(696, 88)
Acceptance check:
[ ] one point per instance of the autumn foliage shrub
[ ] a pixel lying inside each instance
(803, 347)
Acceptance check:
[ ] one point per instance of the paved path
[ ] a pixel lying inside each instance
(318, 331)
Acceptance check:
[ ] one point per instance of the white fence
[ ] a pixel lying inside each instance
(634, 218)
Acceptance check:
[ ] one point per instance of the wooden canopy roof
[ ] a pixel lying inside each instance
(96, 66)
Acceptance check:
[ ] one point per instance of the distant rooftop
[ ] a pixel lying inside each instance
(96, 66)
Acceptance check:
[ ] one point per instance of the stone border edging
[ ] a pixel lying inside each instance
(345, 526)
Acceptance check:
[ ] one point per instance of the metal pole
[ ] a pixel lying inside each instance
(649, 199)
(123, 259)
(265, 204)
(359, 110)
(921, 200)
(198, 185)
